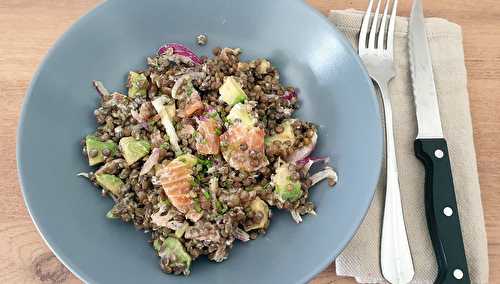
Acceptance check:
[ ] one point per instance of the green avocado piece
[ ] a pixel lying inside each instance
(173, 249)
(110, 182)
(231, 91)
(284, 187)
(188, 159)
(263, 67)
(241, 112)
(138, 85)
(133, 149)
(92, 143)
(258, 205)
(286, 135)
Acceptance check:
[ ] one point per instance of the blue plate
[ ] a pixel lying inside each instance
(116, 37)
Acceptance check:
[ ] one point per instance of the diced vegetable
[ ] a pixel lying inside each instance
(99, 86)
(138, 85)
(170, 109)
(303, 152)
(241, 112)
(308, 162)
(258, 206)
(289, 95)
(112, 214)
(110, 183)
(95, 148)
(263, 67)
(187, 159)
(174, 255)
(284, 187)
(166, 119)
(181, 50)
(327, 173)
(151, 161)
(231, 91)
(286, 135)
(180, 232)
(133, 149)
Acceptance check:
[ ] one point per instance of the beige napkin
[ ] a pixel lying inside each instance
(361, 257)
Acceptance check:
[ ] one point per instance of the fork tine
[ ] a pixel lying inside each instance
(390, 32)
(373, 31)
(364, 27)
(381, 32)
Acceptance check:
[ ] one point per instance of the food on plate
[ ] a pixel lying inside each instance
(201, 150)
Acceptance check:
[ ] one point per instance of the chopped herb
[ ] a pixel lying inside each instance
(207, 195)
(196, 205)
(190, 89)
(221, 207)
(205, 162)
(165, 202)
(218, 131)
(164, 145)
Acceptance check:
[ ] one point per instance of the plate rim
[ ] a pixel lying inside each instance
(66, 261)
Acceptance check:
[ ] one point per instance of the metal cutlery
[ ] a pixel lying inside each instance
(431, 148)
(377, 55)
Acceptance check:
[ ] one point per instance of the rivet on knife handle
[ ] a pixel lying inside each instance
(442, 212)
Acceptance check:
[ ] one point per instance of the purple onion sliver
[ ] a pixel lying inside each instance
(181, 50)
(289, 95)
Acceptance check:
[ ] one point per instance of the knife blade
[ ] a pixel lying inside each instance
(431, 148)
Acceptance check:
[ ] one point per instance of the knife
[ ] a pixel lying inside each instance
(431, 148)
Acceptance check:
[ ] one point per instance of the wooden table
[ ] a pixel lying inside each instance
(28, 28)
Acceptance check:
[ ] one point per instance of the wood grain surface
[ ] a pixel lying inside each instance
(28, 28)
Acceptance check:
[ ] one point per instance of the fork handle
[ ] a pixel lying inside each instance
(442, 212)
(395, 256)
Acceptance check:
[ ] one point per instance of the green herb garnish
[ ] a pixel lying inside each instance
(207, 195)
(196, 205)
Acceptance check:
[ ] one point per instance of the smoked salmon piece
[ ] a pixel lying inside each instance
(207, 138)
(243, 147)
(193, 105)
(176, 179)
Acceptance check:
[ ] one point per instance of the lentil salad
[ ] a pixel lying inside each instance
(200, 150)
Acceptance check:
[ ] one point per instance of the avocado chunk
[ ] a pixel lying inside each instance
(138, 84)
(95, 145)
(286, 135)
(284, 187)
(263, 67)
(110, 183)
(259, 206)
(231, 91)
(187, 159)
(241, 112)
(174, 255)
(133, 149)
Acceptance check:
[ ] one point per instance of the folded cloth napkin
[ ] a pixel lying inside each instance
(361, 257)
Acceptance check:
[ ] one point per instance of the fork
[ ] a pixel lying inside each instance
(377, 55)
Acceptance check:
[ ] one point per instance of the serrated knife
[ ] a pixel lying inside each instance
(431, 148)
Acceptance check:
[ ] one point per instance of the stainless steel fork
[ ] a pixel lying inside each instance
(377, 55)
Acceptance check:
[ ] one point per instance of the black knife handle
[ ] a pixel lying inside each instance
(441, 210)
